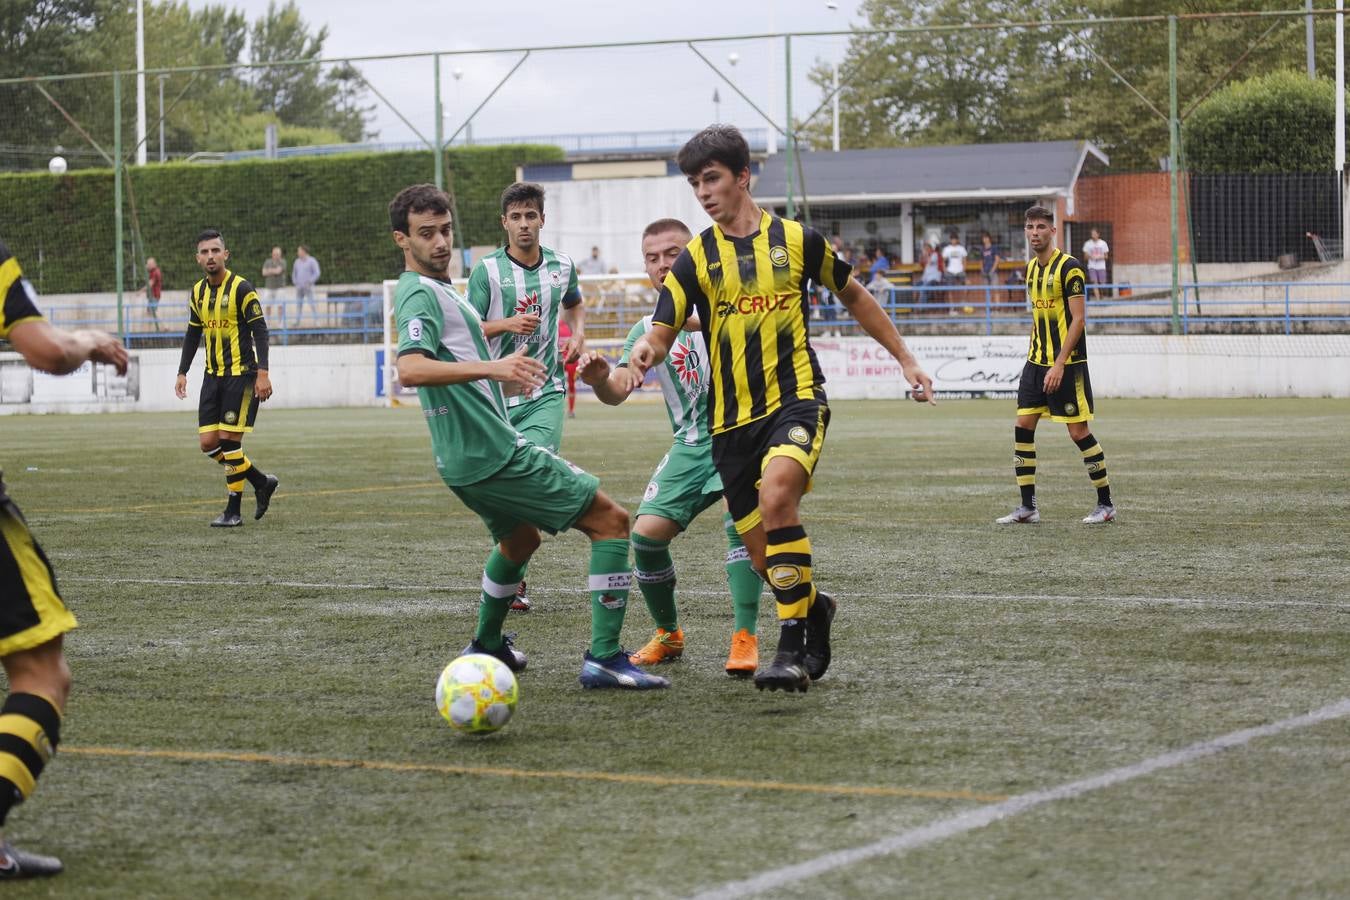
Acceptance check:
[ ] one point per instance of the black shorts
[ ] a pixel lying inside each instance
(31, 611)
(227, 403)
(1071, 403)
(796, 431)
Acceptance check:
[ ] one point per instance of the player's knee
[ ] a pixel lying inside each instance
(521, 544)
(208, 441)
(611, 519)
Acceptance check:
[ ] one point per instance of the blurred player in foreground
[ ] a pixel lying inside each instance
(514, 485)
(747, 279)
(1055, 379)
(685, 482)
(32, 616)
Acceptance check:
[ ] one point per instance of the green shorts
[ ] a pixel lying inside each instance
(541, 420)
(536, 486)
(684, 484)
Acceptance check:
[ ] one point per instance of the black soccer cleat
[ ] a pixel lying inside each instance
(521, 601)
(227, 519)
(785, 673)
(514, 659)
(818, 619)
(264, 496)
(16, 863)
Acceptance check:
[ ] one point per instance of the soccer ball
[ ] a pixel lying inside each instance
(57, 165)
(477, 694)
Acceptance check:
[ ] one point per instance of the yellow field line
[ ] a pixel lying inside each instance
(560, 774)
(418, 486)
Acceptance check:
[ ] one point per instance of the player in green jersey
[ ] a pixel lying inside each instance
(514, 485)
(685, 482)
(521, 290)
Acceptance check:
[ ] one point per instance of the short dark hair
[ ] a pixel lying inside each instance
(415, 198)
(210, 234)
(661, 226)
(717, 143)
(523, 192)
(1040, 212)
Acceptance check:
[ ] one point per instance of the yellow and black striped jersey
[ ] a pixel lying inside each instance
(1049, 287)
(222, 313)
(19, 300)
(750, 295)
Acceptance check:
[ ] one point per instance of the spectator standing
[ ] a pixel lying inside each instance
(593, 264)
(932, 272)
(274, 278)
(880, 263)
(304, 275)
(989, 258)
(154, 288)
(1096, 251)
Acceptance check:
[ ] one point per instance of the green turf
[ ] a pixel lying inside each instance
(969, 658)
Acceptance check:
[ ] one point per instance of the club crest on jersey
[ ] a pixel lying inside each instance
(555, 278)
(652, 490)
(799, 435)
(529, 305)
(778, 256)
(685, 360)
(414, 329)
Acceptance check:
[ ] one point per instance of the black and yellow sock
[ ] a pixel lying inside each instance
(1024, 463)
(239, 468)
(1095, 460)
(30, 729)
(787, 561)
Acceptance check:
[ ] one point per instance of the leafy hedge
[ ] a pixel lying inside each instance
(61, 227)
(1280, 122)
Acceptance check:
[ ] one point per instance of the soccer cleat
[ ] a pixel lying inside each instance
(227, 519)
(514, 659)
(263, 495)
(785, 673)
(521, 603)
(665, 646)
(617, 671)
(16, 863)
(818, 619)
(1104, 513)
(744, 656)
(1023, 515)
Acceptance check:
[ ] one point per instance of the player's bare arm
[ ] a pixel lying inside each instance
(51, 349)
(651, 349)
(416, 370)
(574, 346)
(864, 308)
(525, 323)
(1078, 309)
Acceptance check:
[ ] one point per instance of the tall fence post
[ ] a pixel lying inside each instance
(791, 134)
(440, 123)
(117, 198)
(1173, 160)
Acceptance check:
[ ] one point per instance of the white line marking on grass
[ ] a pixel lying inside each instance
(474, 589)
(950, 826)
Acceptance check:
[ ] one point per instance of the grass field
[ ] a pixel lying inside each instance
(253, 712)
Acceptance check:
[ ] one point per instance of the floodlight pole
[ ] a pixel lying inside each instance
(1173, 159)
(140, 82)
(1340, 125)
(790, 132)
(117, 196)
(439, 147)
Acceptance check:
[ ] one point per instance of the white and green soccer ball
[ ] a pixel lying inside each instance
(477, 694)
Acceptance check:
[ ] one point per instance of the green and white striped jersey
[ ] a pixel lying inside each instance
(471, 435)
(500, 287)
(684, 377)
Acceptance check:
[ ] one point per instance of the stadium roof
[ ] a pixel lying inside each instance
(969, 171)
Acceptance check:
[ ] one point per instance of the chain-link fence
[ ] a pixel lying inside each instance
(1177, 152)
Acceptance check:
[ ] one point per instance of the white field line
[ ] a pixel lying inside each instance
(960, 823)
(474, 590)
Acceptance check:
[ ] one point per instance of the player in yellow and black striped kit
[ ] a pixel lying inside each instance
(33, 618)
(1055, 379)
(747, 279)
(225, 312)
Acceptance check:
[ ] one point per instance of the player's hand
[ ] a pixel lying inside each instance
(573, 347)
(525, 323)
(520, 372)
(262, 387)
(107, 349)
(920, 385)
(1054, 377)
(642, 357)
(592, 368)
(180, 387)
(629, 379)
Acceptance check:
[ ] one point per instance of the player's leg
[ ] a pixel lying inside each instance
(238, 465)
(1072, 405)
(655, 572)
(540, 420)
(502, 573)
(1031, 405)
(746, 587)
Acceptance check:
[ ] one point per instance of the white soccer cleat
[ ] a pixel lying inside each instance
(1023, 515)
(1102, 514)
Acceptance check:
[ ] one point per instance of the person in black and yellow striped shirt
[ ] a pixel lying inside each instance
(224, 310)
(33, 618)
(747, 280)
(1055, 379)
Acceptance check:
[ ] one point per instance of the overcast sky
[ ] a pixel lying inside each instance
(577, 92)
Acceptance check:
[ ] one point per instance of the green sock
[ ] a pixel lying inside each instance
(610, 580)
(655, 572)
(500, 579)
(745, 582)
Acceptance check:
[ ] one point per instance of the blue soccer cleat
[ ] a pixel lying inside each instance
(617, 671)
